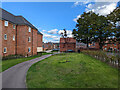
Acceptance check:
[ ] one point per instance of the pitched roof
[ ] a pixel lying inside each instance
(20, 20)
(39, 33)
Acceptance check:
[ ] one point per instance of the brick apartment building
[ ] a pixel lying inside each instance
(19, 36)
(67, 44)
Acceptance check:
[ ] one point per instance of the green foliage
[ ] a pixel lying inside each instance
(92, 27)
(112, 59)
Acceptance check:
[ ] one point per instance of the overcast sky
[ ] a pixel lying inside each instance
(52, 17)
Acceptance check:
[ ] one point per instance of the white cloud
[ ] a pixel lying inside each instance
(44, 30)
(77, 18)
(54, 31)
(101, 8)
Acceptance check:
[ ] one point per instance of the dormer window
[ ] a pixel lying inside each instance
(6, 23)
(29, 29)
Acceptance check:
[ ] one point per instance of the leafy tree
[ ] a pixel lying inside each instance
(91, 27)
(84, 28)
(115, 18)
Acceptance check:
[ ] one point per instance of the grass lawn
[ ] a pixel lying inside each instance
(9, 63)
(71, 70)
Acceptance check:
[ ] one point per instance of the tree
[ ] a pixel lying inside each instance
(115, 18)
(64, 35)
(84, 30)
(92, 27)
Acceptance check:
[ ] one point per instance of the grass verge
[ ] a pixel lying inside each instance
(72, 70)
(11, 62)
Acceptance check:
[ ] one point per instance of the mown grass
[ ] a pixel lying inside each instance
(72, 71)
(9, 63)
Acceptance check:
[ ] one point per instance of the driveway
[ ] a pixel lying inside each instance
(15, 77)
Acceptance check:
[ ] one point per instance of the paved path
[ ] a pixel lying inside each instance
(15, 76)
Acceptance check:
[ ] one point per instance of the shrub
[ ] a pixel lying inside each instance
(101, 55)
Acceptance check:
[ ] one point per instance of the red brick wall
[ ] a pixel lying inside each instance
(70, 45)
(39, 40)
(34, 42)
(22, 41)
(9, 43)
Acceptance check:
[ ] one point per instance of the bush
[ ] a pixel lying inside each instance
(101, 55)
(12, 57)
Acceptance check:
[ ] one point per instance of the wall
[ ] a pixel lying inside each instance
(9, 43)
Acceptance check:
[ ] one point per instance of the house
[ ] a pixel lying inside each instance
(48, 46)
(94, 45)
(67, 44)
(111, 47)
(19, 36)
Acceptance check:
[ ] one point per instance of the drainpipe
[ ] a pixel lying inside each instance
(16, 41)
(32, 42)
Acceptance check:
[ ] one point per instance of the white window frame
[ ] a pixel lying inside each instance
(29, 39)
(29, 49)
(6, 23)
(4, 49)
(14, 26)
(105, 44)
(5, 38)
(29, 30)
(13, 37)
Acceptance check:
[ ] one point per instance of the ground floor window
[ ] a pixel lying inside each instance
(29, 49)
(5, 50)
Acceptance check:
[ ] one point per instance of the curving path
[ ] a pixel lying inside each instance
(15, 77)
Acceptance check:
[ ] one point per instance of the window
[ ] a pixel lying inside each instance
(5, 50)
(13, 26)
(29, 29)
(5, 36)
(6, 23)
(29, 39)
(13, 37)
(29, 49)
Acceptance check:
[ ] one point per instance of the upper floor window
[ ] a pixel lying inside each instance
(105, 44)
(29, 39)
(5, 50)
(6, 23)
(13, 26)
(29, 29)
(13, 37)
(5, 36)
(29, 49)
